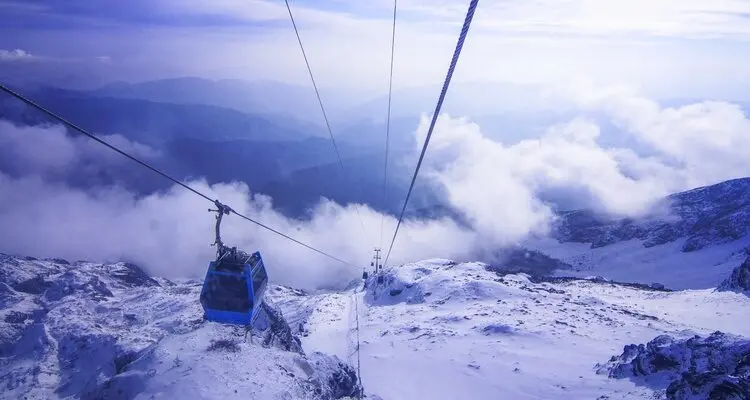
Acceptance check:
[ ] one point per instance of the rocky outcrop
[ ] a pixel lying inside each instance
(279, 333)
(715, 367)
(739, 281)
(520, 260)
(336, 379)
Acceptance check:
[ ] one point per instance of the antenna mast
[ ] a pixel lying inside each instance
(378, 266)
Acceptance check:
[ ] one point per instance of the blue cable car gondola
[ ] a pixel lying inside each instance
(235, 282)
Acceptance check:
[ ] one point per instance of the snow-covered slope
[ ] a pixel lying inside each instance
(93, 331)
(630, 261)
(444, 330)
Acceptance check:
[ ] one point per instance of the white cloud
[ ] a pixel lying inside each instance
(15, 55)
(50, 149)
(169, 233)
(674, 18)
(498, 187)
(708, 139)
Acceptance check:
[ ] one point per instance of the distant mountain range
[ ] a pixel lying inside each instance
(278, 156)
(150, 122)
(705, 216)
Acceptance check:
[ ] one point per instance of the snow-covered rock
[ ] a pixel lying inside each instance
(91, 331)
(739, 281)
(714, 367)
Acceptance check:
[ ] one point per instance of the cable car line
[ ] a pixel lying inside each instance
(446, 83)
(163, 174)
(388, 120)
(323, 110)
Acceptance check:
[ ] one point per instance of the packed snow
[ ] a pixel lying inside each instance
(443, 330)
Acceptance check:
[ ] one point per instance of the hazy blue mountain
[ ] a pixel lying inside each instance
(292, 106)
(463, 99)
(147, 121)
(221, 145)
(506, 113)
(372, 133)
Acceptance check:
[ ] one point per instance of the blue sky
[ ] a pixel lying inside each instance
(694, 46)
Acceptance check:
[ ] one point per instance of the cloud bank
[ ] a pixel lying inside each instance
(169, 232)
(15, 55)
(500, 189)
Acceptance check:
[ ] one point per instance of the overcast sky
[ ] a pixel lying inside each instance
(668, 48)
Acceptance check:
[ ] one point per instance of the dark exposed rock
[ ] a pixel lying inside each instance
(739, 281)
(121, 361)
(224, 345)
(520, 260)
(35, 285)
(15, 317)
(70, 283)
(599, 280)
(279, 333)
(131, 275)
(338, 379)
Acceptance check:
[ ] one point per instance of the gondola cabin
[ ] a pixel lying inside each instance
(233, 289)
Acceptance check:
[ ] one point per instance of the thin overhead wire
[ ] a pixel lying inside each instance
(163, 174)
(388, 121)
(446, 83)
(94, 137)
(323, 110)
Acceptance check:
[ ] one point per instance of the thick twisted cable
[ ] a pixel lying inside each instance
(456, 54)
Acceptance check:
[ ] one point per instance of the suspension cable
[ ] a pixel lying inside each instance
(446, 83)
(154, 169)
(323, 110)
(388, 122)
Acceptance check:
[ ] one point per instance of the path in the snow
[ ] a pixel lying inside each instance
(330, 325)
